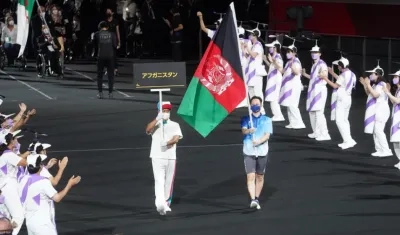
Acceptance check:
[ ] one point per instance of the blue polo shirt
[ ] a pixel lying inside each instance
(263, 125)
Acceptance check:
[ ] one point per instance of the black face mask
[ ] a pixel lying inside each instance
(108, 14)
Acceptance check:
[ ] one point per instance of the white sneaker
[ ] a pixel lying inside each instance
(312, 136)
(167, 209)
(323, 138)
(397, 165)
(162, 210)
(340, 145)
(299, 127)
(376, 154)
(386, 154)
(348, 145)
(289, 127)
(278, 119)
(254, 204)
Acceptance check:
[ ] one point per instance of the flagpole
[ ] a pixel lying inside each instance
(244, 78)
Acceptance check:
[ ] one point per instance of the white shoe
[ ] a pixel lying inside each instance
(299, 127)
(312, 136)
(289, 127)
(340, 145)
(348, 145)
(254, 204)
(167, 209)
(397, 165)
(386, 154)
(278, 119)
(162, 210)
(323, 138)
(376, 154)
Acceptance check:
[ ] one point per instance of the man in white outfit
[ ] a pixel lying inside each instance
(317, 95)
(210, 33)
(341, 100)
(165, 135)
(255, 69)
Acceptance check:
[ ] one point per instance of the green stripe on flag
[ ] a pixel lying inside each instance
(200, 110)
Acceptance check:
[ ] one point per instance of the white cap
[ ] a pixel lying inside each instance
(254, 31)
(316, 47)
(240, 30)
(4, 133)
(31, 159)
(344, 61)
(33, 147)
(396, 73)
(7, 115)
(273, 44)
(376, 70)
(291, 47)
(218, 21)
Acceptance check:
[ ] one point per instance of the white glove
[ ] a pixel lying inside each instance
(159, 116)
(164, 143)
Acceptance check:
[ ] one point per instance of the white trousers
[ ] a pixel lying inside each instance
(13, 203)
(275, 108)
(294, 116)
(164, 174)
(342, 119)
(396, 146)
(318, 123)
(36, 228)
(255, 87)
(381, 143)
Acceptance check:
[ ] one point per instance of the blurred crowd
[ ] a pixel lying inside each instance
(143, 27)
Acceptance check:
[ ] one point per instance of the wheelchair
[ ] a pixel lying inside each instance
(20, 63)
(44, 64)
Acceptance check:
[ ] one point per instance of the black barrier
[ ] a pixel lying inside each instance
(159, 75)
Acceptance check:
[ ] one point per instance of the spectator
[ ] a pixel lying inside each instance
(9, 39)
(113, 26)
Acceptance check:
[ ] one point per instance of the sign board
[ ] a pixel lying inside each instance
(159, 75)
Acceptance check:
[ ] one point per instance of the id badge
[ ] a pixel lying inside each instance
(8, 39)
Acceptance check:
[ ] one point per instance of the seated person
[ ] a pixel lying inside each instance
(8, 40)
(50, 49)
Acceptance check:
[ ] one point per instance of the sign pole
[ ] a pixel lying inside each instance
(160, 91)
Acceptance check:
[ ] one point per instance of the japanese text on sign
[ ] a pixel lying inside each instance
(159, 75)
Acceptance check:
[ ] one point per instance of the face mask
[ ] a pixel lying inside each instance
(55, 12)
(289, 56)
(395, 81)
(16, 148)
(108, 14)
(11, 22)
(166, 116)
(371, 77)
(255, 108)
(271, 50)
(46, 31)
(42, 14)
(315, 56)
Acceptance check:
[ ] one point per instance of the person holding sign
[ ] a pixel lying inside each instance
(256, 130)
(165, 135)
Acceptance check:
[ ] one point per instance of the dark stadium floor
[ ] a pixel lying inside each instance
(311, 188)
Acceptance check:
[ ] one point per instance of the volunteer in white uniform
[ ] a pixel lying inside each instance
(210, 33)
(255, 69)
(291, 88)
(341, 100)
(9, 163)
(165, 135)
(274, 80)
(394, 130)
(377, 111)
(38, 197)
(40, 148)
(317, 95)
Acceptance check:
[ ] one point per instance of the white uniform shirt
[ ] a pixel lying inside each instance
(257, 47)
(38, 203)
(210, 33)
(8, 167)
(171, 129)
(344, 93)
(9, 36)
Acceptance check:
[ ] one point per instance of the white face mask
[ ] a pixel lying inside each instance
(166, 116)
(11, 22)
(42, 14)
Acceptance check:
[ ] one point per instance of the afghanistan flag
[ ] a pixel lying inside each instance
(217, 86)
(24, 12)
